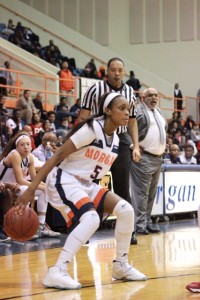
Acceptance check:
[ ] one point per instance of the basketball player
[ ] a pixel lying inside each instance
(16, 163)
(88, 153)
(127, 134)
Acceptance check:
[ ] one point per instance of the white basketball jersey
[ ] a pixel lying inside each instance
(94, 155)
(7, 174)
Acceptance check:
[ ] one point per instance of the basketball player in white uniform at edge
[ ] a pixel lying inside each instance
(16, 163)
(87, 154)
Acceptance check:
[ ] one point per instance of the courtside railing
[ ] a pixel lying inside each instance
(25, 81)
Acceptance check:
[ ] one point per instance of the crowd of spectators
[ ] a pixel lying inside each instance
(183, 140)
(28, 40)
(183, 136)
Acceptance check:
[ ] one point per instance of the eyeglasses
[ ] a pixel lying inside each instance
(153, 94)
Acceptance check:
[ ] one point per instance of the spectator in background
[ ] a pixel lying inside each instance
(63, 103)
(75, 109)
(53, 56)
(66, 79)
(15, 123)
(190, 142)
(25, 103)
(45, 128)
(6, 79)
(52, 50)
(27, 128)
(65, 124)
(188, 156)
(63, 113)
(173, 155)
(4, 115)
(90, 70)
(36, 127)
(10, 25)
(194, 133)
(189, 123)
(178, 98)
(102, 73)
(175, 118)
(9, 78)
(37, 101)
(3, 110)
(134, 83)
(51, 116)
(47, 148)
(169, 142)
(173, 127)
(8, 30)
(179, 138)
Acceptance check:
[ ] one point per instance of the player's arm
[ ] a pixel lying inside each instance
(66, 149)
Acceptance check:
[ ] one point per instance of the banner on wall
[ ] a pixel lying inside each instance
(158, 201)
(180, 191)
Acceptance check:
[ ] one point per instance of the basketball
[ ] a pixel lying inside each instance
(21, 227)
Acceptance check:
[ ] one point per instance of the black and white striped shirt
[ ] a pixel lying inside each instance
(92, 95)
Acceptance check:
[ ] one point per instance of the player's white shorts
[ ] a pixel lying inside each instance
(73, 196)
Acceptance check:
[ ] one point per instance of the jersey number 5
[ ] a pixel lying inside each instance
(96, 172)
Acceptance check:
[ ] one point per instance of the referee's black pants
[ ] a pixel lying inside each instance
(120, 169)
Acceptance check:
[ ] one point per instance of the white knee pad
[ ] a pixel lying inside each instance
(125, 217)
(92, 219)
(88, 224)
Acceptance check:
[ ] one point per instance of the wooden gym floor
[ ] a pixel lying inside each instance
(170, 259)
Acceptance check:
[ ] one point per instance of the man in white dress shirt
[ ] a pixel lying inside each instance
(145, 173)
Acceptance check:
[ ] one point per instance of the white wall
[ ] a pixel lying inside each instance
(158, 39)
(159, 36)
(73, 44)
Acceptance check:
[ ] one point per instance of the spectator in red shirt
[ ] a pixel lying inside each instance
(36, 127)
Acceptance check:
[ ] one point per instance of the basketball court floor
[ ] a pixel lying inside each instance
(170, 259)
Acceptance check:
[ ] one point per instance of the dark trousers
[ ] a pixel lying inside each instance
(120, 169)
(6, 202)
(3, 90)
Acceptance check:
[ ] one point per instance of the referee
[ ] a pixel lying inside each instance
(114, 83)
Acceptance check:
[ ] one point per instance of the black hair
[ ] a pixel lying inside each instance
(189, 146)
(25, 91)
(114, 59)
(50, 113)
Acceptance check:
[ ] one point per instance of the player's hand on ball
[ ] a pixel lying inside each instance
(22, 201)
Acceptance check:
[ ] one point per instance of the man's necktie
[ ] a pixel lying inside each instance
(162, 136)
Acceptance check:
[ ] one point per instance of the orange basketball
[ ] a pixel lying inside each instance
(21, 227)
